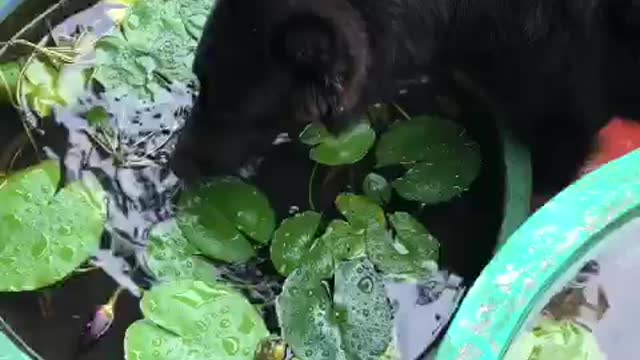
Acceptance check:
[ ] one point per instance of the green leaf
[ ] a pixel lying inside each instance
(246, 207)
(45, 235)
(413, 251)
(9, 75)
(552, 339)
(344, 242)
(347, 148)
(194, 320)
(98, 116)
(215, 236)
(357, 324)
(365, 316)
(171, 257)
(424, 139)
(314, 134)
(216, 215)
(431, 183)
(377, 188)
(360, 211)
(292, 241)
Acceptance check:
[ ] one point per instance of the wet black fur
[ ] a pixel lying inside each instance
(558, 68)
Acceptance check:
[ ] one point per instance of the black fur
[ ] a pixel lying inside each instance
(558, 68)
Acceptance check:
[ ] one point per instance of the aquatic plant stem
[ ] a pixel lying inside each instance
(312, 206)
(401, 111)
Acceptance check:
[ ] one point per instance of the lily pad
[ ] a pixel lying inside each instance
(171, 257)
(442, 160)
(292, 241)
(365, 316)
(193, 320)
(344, 242)
(431, 183)
(377, 188)
(216, 216)
(246, 207)
(413, 251)
(44, 234)
(348, 147)
(357, 324)
(360, 211)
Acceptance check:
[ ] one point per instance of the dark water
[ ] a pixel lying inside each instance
(132, 166)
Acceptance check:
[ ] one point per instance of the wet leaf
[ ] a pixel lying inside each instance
(215, 236)
(377, 188)
(360, 211)
(365, 320)
(193, 320)
(357, 324)
(436, 183)
(443, 160)
(215, 216)
(45, 235)
(169, 256)
(9, 75)
(343, 241)
(413, 251)
(246, 207)
(347, 148)
(307, 318)
(292, 241)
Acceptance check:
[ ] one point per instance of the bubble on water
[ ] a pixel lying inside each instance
(366, 284)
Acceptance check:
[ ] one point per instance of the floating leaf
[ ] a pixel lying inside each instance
(246, 207)
(360, 211)
(171, 257)
(443, 160)
(358, 326)
(435, 183)
(45, 235)
(98, 116)
(216, 215)
(292, 241)
(347, 148)
(413, 251)
(365, 316)
(344, 242)
(189, 319)
(215, 236)
(377, 188)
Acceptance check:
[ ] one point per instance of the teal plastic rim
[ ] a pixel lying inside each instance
(554, 242)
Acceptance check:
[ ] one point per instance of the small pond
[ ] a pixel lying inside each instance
(359, 245)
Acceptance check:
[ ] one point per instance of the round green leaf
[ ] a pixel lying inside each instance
(365, 316)
(426, 139)
(215, 236)
(314, 134)
(347, 148)
(292, 241)
(206, 321)
(45, 235)
(377, 188)
(344, 242)
(145, 341)
(413, 251)
(242, 204)
(360, 211)
(169, 256)
(435, 183)
(357, 324)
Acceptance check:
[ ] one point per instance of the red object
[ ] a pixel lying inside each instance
(618, 138)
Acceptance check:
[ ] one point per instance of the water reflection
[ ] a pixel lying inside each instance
(595, 315)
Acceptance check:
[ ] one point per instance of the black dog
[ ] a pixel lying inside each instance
(558, 68)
